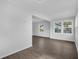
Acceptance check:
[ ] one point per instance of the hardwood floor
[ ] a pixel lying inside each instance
(45, 48)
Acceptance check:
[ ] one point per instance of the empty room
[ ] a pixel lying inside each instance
(38, 29)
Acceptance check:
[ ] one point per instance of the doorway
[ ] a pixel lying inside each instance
(40, 27)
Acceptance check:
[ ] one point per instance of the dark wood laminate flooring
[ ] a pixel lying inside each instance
(45, 48)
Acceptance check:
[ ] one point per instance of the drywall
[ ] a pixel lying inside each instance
(15, 36)
(15, 30)
(36, 28)
(76, 31)
(61, 36)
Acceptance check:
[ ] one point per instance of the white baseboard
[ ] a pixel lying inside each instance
(15, 51)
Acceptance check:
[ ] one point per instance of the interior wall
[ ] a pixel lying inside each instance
(76, 31)
(15, 30)
(61, 36)
(36, 28)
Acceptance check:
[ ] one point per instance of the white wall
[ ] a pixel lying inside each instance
(15, 30)
(36, 26)
(15, 36)
(76, 31)
(67, 37)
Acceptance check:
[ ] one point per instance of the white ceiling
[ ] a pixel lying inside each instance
(57, 8)
(36, 19)
(48, 9)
